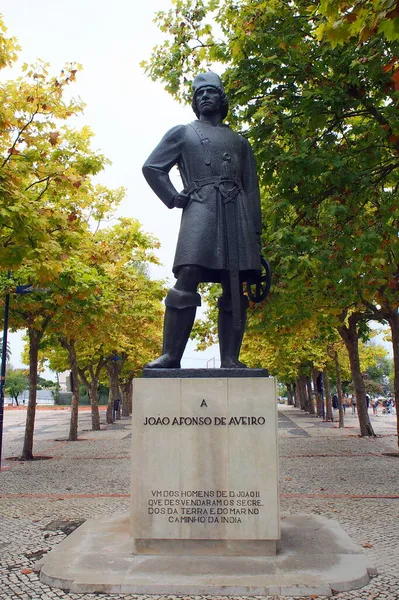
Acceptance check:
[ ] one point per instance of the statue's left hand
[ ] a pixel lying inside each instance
(181, 200)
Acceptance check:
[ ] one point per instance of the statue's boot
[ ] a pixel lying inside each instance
(178, 322)
(230, 339)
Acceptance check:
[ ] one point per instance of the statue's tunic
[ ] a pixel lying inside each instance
(212, 161)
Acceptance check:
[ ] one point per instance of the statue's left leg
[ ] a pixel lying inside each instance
(230, 339)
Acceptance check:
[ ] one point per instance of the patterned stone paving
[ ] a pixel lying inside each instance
(324, 471)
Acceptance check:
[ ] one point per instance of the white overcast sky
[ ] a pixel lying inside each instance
(127, 111)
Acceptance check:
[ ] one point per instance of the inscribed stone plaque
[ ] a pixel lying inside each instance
(204, 459)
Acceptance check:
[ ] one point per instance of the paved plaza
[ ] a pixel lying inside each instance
(323, 470)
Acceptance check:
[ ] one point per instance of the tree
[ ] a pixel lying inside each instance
(43, 383)
(323, 123)
(379, 372)
(349, 332)
(36, 311)
(372, 388)
(45, 169)
(48, 198)
(358, 20)
(112, 309)
(16, 383)
(8, 47)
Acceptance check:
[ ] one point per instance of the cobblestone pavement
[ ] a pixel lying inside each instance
(324, 470)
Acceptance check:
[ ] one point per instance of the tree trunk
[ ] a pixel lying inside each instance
(309, 402)
(329, 411)
(302, 397)
(92, 389)
(339, 391)
(393, 320)
(350, 337)
(34, 339)
(73, 424)
(127, 393)
(298, 394)
(131, 398)
(109, 412)
(290, 394)
(319, 404)
(115, 392)
(305, 394)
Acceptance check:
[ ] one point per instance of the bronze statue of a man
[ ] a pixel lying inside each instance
(219, 237)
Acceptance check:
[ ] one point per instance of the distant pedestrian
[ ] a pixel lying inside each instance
(335, 402)
(353, 402)
(367, 400)
(391, 407)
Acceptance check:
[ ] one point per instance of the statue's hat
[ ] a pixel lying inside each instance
(207, 79)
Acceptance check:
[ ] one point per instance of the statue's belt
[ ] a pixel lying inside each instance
(228, 187)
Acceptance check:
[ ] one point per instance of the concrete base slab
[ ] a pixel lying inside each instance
(314, 557)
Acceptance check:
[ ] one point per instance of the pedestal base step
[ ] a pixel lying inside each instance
(314, 557)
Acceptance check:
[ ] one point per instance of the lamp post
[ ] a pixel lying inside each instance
(3, 365)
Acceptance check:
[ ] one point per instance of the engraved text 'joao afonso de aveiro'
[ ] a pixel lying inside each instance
(241, 420)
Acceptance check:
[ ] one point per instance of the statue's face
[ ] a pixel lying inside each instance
(208, 100)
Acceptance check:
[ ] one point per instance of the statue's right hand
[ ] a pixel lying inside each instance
(181, 200)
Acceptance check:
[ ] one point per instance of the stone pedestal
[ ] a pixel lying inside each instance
(205, 514)
(204, 466)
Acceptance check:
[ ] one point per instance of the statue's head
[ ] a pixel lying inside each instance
(212, 82)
